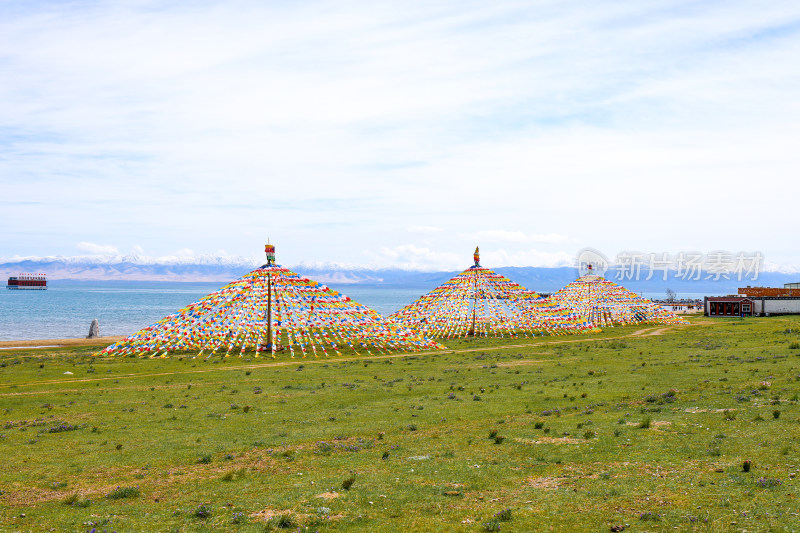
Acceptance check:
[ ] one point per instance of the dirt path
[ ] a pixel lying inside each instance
(646, 332)
(649, 332)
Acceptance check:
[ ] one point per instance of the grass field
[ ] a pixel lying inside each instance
(643, 428)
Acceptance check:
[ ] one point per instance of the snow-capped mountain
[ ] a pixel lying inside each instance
(227, 268)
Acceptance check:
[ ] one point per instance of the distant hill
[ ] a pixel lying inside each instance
(540, 279)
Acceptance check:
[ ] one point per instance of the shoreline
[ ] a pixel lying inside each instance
(58, 343)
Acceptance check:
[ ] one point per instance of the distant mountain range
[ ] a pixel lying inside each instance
(217, 269)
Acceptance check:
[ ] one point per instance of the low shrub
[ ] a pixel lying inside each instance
(649, 516)
(123, 492)
(284, 521)
(766, 483)
(202, 511)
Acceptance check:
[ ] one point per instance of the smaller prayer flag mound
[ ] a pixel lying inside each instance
(481, 302)
(272, 309)
(603, 303)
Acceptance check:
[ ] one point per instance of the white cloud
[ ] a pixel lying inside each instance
(345, 127)
(424, 229)
(411, 257)
(526, 258)
(517, 237)
(97, 249)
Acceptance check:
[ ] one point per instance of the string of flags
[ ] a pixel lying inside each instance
(269, 310)
(481, 302)
(273, 309)
(603, 303)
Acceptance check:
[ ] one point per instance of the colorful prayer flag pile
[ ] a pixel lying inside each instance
(481, 302)
(603, 303)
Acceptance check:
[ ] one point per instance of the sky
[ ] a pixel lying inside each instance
(399, 133)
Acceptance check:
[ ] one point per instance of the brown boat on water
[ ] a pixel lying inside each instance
(28, 281)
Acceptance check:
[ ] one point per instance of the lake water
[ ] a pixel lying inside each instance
(66, 309)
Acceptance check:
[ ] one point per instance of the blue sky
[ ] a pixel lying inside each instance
(399, 133)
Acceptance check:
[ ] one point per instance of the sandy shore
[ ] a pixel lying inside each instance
(50, 343)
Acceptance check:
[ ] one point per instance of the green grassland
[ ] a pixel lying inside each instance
(646, 428)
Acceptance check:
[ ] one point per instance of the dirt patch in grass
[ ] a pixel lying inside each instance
(267, 514)
(32, 496)
(328, 495)
(544, 483)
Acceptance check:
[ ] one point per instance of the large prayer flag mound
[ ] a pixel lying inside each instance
(603, 303)
(481, 302)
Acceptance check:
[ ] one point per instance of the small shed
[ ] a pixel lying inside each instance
(728, 306)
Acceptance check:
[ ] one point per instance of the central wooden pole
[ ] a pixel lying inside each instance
(270, 345)
(474, 305)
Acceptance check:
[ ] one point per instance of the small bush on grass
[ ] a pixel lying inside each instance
(493, 524)
(504, 515)
(63, 427)
(347, 483)
(202, 511)
(204, 460)
(649, 516)
(324, 448)
(767, 483)
(123, 492)
(86, 502)
(232, 475)
(289, 455)
(284, 521)
(645, 424)
(71, 499)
